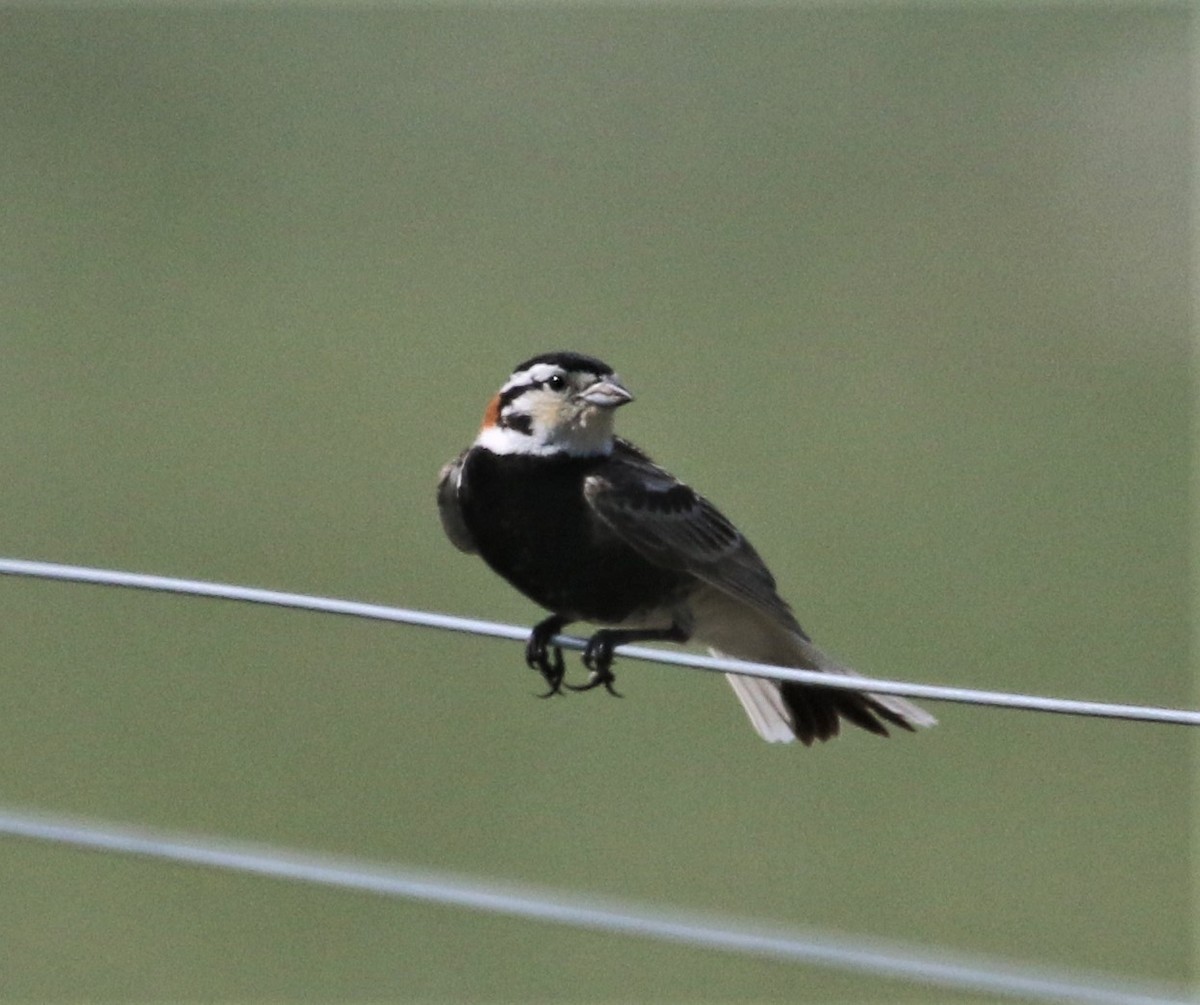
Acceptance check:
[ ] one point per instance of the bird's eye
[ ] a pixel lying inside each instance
(556, 382)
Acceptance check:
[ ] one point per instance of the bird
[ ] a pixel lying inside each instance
(587, 526)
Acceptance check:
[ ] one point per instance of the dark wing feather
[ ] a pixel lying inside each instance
(450, 508)
(672, 526)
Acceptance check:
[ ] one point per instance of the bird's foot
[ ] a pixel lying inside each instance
(598, 658)
(538, 654)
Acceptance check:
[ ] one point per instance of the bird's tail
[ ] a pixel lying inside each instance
(783, 711)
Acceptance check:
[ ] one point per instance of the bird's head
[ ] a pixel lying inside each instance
(556, 403)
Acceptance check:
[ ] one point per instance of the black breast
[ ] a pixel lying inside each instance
(533, 526)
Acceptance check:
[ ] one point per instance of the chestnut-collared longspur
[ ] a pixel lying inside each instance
(586, 525)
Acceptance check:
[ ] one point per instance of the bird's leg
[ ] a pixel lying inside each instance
(537, 654)
(598, 655)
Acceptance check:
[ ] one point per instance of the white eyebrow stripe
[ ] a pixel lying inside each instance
(534, 375)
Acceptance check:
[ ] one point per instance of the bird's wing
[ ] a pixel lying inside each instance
(672, 526)
(450, 508)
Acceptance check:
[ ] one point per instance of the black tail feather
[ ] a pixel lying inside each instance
(815, 712)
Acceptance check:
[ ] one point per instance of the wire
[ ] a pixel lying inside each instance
(448, 622)
(876, 958)
(882, 959)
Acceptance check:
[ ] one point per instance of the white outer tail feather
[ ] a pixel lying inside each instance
(763, 702)
(914, 715)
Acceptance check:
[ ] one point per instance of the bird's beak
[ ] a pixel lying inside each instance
(606, 393)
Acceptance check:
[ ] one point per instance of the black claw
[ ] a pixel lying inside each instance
(537, 654)
(554, 673)
(598, 657)
(597, 680)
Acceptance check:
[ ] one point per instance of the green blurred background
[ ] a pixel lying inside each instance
(903, 288)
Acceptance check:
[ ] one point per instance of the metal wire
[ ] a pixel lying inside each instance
(860, 956)
(448, 622)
